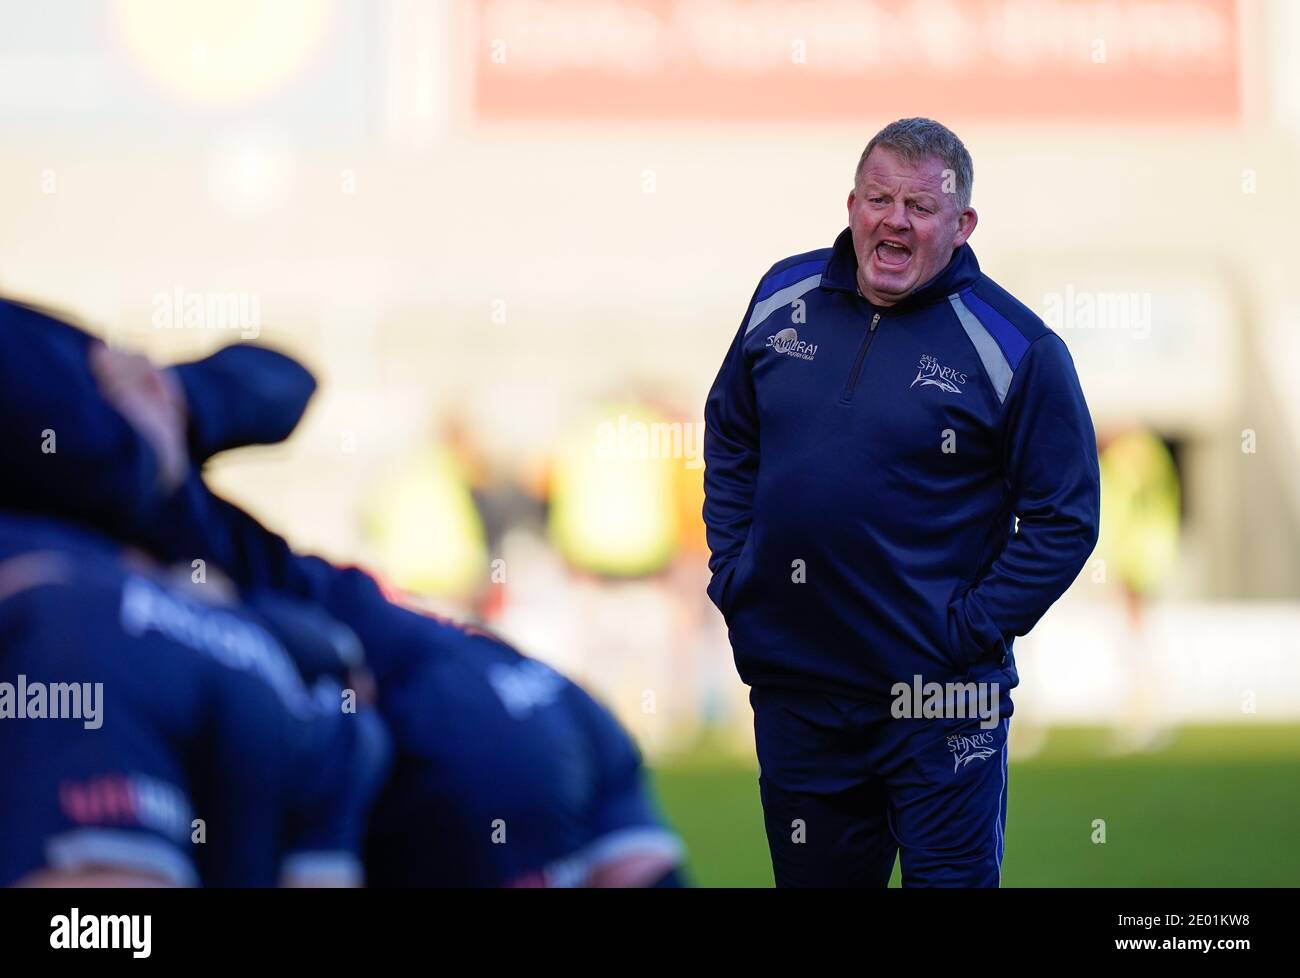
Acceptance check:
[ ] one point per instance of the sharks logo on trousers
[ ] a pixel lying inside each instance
(970, 747)
(930, 373)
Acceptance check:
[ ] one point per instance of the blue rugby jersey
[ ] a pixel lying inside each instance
(865, 467)
(477, 727)
(202, 716)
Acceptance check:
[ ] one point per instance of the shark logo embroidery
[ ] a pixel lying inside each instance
(930, 373)
(970, 747)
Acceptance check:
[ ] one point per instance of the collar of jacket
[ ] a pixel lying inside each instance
(841, 274)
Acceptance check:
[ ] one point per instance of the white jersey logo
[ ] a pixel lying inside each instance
(930, 373)
(787, 341)
(970, 747)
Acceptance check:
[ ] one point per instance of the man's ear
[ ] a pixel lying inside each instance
(853, 195)
(966, 222)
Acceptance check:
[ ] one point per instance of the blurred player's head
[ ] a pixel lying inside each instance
(241, 395)
(153, 403)
(77, 456)
(909, 208)
(103, 437)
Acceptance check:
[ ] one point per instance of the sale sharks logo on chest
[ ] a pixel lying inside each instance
(930, 373)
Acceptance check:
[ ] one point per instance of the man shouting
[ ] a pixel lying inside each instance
(901, 478)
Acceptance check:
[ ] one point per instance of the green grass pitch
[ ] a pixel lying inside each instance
(1218, 806)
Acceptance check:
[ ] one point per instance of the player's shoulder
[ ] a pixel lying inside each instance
(16, 315)
(1012, 324)
(802, 268)
(32, 339)
(783, 283)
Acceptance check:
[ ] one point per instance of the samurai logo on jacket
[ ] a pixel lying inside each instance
(930, 372)
(787, 341)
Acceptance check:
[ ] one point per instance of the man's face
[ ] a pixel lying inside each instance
(905, 226)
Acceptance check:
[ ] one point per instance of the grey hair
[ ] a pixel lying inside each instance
(917, 139)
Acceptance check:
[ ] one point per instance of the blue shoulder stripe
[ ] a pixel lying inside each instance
(776, 281)
(782, 298)
(999, 344)
(1010, 339)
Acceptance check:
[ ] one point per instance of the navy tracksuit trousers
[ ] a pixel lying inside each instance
(846, 788)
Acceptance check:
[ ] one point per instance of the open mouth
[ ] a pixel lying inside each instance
(893, 253)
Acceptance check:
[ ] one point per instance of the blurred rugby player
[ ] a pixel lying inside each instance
(207, 758)
(564, 774)
(202, 710)
(506, 772)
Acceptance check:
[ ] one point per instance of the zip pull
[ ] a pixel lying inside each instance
(852, 382)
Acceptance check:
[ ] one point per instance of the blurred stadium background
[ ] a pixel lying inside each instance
(513, 238)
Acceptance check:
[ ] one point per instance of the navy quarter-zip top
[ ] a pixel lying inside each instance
(852, 382)
(865, 467)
